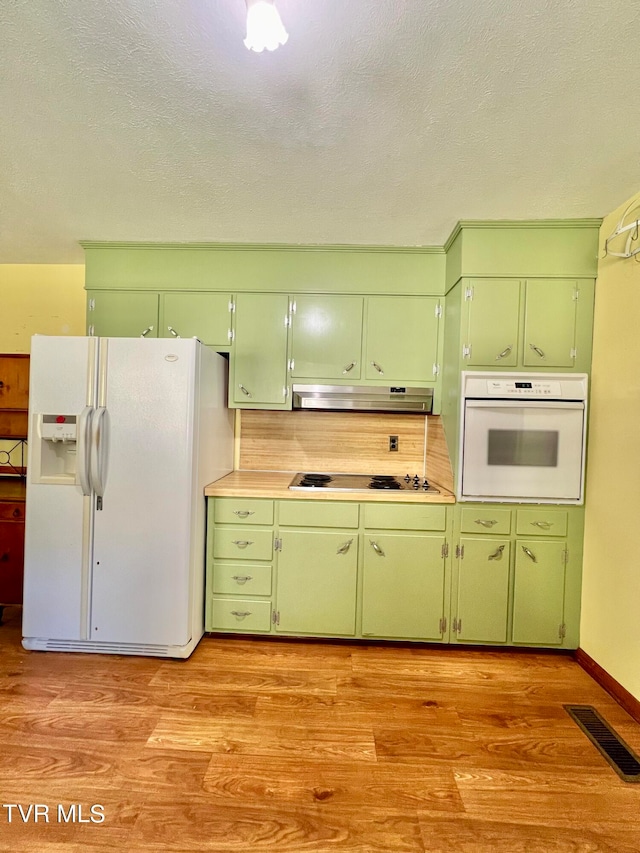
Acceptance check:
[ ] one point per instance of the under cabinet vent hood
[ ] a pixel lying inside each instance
(358, 398)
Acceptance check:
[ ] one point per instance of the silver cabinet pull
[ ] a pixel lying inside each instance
(243, 513)
(172, 331)
(349, 367)
(497, 554)
(377, 367)
(344, 548)
(376, 548)
(146, 331)
(537, 350)
(530, 554)
(505, 352)
(240, 614)
(242, 543)
(545, 525)
(242, 579)
(244, 390)
(486, 522)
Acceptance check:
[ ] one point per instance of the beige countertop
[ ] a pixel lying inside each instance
(275, 484)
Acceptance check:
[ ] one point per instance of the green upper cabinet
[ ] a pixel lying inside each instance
(537, 324)
(259, 353)
(401, 339)
(122, 314)
(326, 337)
(492, 316)
(550, 323)
(206, 316)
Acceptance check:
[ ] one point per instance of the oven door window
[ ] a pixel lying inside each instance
(526, 450)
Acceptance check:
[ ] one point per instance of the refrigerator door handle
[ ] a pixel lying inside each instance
(99, 450)
(84, 422)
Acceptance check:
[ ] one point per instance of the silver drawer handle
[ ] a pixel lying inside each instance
(240, 614)
(497, 554)
(349, 367)
(244, 390)
(376, 548)
(505, 352)
(530, 554)
(146, 331)
(173, 331)
(243, 513)
(486, 522)
(242, 543)
(344, 548)
(242, 579)
(545, 525)
(537, 350)
(377, 367)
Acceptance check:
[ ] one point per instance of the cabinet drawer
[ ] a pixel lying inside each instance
(485, 520)
(242, 578)
(242, 543)
(318, 514)
(405, 517)
(541, 522)
(240, 614)
(11, 512)
(242, 511)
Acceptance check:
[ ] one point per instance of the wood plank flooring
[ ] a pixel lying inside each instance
(306, 747)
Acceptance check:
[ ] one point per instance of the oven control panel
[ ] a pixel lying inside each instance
(523, 388)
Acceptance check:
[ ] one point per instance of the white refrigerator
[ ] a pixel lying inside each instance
(124, 434)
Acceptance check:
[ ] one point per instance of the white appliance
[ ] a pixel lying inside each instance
(124, 434)
(522, 437)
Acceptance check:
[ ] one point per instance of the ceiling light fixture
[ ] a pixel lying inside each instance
(264, 27)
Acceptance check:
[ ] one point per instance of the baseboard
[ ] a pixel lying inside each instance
(614, 688)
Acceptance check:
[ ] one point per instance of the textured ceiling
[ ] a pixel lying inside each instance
(379, 122)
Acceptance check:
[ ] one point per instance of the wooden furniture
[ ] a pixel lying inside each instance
(14, 404)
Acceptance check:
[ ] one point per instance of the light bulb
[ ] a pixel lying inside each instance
(264, 27)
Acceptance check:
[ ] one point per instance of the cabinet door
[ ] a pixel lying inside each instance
(550, 323)
(326, 337)
(538, 600)
(206, 316)
(403, 587)
(483, 590)
(122, 314)
(316, 582)
(493, 311)
(14, 381)
(259, 354)
(401, 339)
(11, 561)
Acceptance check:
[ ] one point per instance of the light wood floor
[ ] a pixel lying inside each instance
(303, 746)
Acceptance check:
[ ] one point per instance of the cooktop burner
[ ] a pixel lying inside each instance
(361, 482)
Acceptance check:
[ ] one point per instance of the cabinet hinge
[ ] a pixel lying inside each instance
(443, 625)
(92, 330)
(565, 556)
(275, 617)
(277, 544)
(456, 626)
(438, 311)
(459, 552)
(445, 549)
(468, 294)
(466, 350)
(287, 320)
(562, 631)
(291, 364)
(285, 391)
(576, 294)
(436, 369)
(92, 305)
(293, 307)
(232, 306)
(231, 334)
(573, 353)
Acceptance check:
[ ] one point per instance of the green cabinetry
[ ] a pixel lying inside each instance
(401, 342)
(326, 337)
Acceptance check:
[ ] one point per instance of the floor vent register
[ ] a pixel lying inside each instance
(620, 756)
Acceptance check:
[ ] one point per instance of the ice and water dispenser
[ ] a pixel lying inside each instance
(55, 454)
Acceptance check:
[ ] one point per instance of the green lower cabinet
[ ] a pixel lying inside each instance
(403, 586)
(317, 582)
(483, 591)
(539, 592)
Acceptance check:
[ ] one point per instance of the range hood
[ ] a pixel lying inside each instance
(358, 398)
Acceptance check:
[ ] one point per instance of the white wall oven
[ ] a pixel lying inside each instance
(522, 437)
